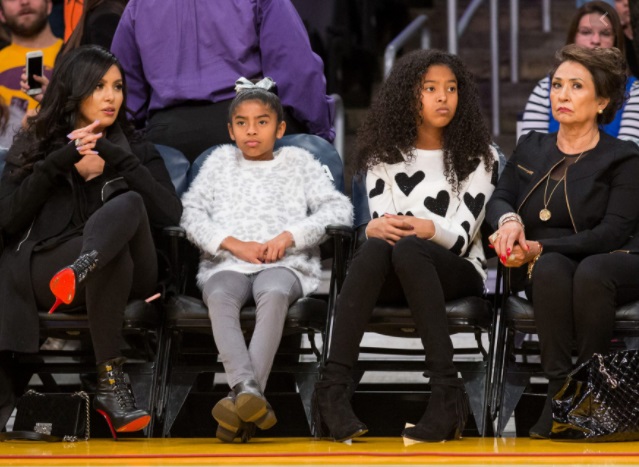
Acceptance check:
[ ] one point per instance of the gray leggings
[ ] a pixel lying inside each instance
(274, 290)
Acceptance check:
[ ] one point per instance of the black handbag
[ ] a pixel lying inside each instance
(51, 417)
(600, 400)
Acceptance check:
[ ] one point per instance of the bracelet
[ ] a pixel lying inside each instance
(511, 216)
(531, 265)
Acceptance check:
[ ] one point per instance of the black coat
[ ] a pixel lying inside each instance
(37, 206)
(602, 190)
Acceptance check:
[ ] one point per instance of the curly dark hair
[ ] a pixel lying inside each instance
(75, 77)
(390, 128)
(608, 70)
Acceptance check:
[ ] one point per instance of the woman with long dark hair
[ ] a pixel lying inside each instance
(430, 171)
(78, 197)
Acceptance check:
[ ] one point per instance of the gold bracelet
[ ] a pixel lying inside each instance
(531, 264)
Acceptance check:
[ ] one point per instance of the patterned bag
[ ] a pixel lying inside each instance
(600, 400)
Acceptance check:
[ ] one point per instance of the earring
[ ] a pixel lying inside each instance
(600, 111)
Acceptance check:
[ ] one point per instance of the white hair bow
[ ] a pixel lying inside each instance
(265, 83)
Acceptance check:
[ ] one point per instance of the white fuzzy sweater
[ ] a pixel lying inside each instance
(258, 200)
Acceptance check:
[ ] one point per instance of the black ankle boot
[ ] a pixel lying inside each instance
(333, 416)
(446, 414)
(65, 282)
(114, 399)
(541, 429)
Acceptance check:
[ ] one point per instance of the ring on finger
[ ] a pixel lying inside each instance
(78, 142)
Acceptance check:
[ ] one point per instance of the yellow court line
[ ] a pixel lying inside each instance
(305, 451)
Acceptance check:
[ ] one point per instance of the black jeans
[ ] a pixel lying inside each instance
(574, 303)
(127, 268)
(414, 271)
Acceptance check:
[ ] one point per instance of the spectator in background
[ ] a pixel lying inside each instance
(182, 57)
(589, 30)
(623, 10)
(72, 13)
(27, 20)
(96, 25)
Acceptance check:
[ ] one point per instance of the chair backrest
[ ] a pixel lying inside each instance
(321, 149)
(177, 165)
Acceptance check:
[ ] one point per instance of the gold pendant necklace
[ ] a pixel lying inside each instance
(545, 213)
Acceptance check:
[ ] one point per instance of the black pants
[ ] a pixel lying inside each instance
(127, 268)
(416, 271)
(195, 127)
(574, 304)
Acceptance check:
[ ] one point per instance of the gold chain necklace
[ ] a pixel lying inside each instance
(545, 213)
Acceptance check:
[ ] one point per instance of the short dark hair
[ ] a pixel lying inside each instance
(268, 98)
(608, 70)
(604, 9)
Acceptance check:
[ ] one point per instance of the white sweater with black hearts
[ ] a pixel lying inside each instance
(418, 187)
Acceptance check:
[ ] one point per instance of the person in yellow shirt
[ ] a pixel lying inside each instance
(28, 22)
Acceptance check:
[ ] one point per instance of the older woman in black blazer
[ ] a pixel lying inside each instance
(566, 213)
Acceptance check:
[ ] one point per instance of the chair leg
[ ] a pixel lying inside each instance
(179, 388)
(511, 384)
(144, 391)
(306, 385)
(513, 387)
(475, 383)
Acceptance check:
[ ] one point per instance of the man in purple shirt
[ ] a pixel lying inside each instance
(182, 58)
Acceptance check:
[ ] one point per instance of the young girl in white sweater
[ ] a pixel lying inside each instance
(258, 216)
(430, 171)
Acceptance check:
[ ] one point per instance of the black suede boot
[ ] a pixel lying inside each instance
(114, 399)
(333, 416)
(446, 414)
(541, 429)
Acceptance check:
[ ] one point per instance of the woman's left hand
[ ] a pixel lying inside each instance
(520, 256)
(422, 228)
(276, 247)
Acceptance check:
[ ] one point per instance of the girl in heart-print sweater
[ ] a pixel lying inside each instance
(430, 171)
(419, 188)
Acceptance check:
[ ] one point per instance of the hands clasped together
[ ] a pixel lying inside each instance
(91, 165)
(511, 246)
(392, 227)
(259, 253)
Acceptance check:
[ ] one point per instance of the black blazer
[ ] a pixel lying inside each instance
(602, 191)
(36, 206)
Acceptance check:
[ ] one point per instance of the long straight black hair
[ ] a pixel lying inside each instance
(74, 79)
